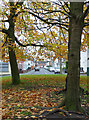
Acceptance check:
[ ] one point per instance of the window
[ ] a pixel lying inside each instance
(4, 67)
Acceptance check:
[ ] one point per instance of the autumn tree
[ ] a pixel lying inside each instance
(10, 12)
(12, 15)
(73, 20)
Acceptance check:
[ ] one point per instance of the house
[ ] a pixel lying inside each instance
(25, 65)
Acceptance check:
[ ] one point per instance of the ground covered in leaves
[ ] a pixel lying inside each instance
(37, 101)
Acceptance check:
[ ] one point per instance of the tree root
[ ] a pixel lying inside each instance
(55, 111)
(66, 114)
(64, 91)
(62, 104)
(61, 91)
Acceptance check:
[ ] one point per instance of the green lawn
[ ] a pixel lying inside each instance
(41, 80)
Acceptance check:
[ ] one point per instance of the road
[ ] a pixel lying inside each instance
(41, 71)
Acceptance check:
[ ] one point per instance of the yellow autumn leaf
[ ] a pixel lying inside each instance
(33, 116)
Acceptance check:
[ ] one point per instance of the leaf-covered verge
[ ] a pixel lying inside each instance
(35, 96)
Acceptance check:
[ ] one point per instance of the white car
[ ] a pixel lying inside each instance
(37, 68)
(57, 70)
(51, 69)
(45, 67)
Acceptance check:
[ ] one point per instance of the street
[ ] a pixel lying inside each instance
(41, 71)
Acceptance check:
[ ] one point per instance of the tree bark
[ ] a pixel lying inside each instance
(72, 98)
(14, 67)
(11, 50)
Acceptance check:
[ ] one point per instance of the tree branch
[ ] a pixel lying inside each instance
(4, 20)
(40, 29)
(4, 42)
(64, 8)
(19, 3)
(86, 24)
(67, 6)
(19, 43)
(50, 11)
(44, 20)
(3, 30)
(85, 31)
(85, 13)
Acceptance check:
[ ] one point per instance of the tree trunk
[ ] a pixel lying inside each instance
(14, 67)
(12, 56)
(72, 98)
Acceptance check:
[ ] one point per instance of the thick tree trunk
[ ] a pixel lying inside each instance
(72, 99)
(14, 67)
(12, 56)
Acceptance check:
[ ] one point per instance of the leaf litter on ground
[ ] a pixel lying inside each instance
(31, 101)
(24, 103)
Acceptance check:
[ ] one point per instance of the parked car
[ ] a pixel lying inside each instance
(45, 67)
(37, 68)
(51, 69)
(65, 70)
(57, 70)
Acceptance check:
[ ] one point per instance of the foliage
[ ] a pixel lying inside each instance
(32, 31)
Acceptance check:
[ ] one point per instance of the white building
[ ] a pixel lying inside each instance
(5, 68)
(24, 65)
(83, 60)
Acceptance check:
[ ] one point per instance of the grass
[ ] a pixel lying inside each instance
(41, 80)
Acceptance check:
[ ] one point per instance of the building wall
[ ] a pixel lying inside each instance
(83, 60)
(88, 61)
(5, 68)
